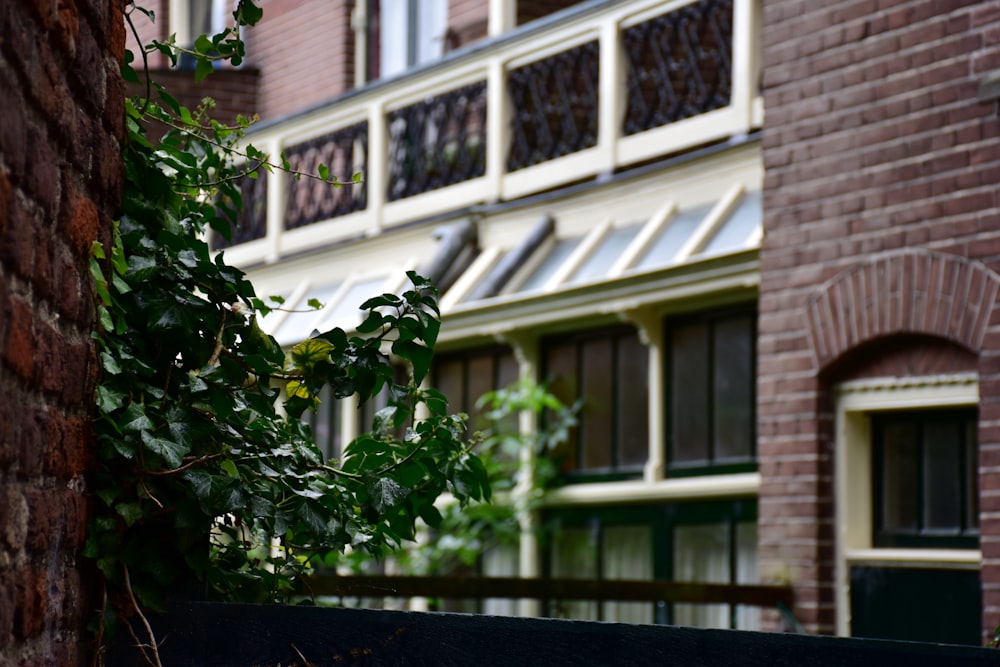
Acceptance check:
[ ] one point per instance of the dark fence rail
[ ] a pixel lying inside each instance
(550, 589)
(216, 635)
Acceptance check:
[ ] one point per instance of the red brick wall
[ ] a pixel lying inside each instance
(148, 29)
(529, 10)
(233, 90)
(61, 122)
(468, 21)
(874, 141)
(305, 52)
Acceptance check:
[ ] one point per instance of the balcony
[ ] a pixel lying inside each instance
(581, 94)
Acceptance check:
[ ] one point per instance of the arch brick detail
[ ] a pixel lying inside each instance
(906, 291)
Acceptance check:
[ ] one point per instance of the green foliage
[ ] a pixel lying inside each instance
(462, 532)
(207, 483)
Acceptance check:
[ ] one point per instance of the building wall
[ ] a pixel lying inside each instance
(468, 21)
(61, 122)
(874, 141)
(305, 52)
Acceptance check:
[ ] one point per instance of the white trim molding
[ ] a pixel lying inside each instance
(854, 403)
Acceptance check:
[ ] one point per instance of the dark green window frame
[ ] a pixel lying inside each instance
(663, 520)
(606, 372)
(464, 376)
(924, 488)
(697, 391)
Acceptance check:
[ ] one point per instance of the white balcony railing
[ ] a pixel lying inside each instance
(596, 89)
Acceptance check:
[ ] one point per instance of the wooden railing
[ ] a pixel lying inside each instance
(586, 92)
(603, 590)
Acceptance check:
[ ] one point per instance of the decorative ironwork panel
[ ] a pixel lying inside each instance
(251, 217)
(311, 200)
(555, 106)
(438, 142)
(679, 65)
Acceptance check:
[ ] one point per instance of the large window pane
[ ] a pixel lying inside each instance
(733, 384)
(925, 482)
(705, 542)
(633, 402)
(574, 556)
(560, 372)
(942, 477)
(900, 466)
(701, 554)
(606, 373)
(747, 618)
(711, 394)
(689, 394)
(596, 435)
(627, 553)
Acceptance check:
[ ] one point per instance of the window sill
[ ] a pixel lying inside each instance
(934, 558)
(687, 488)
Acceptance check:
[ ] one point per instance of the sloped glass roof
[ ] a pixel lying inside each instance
(299, 323)
(605, 254)
(666, 246)
(540, 260)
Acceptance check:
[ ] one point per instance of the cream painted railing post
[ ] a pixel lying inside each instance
(277, 196)
(746, 63)
(377, 177)
(502, 17)
(650, 328)
(610, 95)
(529, 566)
(497, 127)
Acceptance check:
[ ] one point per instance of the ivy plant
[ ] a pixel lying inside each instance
(207, 482)
(520, 467)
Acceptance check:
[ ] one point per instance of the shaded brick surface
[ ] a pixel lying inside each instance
(61, 123)
(880, 208)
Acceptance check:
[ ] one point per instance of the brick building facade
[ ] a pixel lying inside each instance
(824, 275)
(873, 164)
(880, 253)
(61, 122)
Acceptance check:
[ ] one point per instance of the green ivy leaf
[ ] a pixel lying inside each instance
(386, 493)
(172, 452)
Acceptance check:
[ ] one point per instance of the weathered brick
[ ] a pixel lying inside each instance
(893, 158)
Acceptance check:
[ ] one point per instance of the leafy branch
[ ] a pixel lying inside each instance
(208, 483)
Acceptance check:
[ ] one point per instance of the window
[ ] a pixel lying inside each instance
(465, 376)
(711, 374)
(906, 508)
(404, 33)
(206, 17)
(325, 424)
(713, 542)
(925, 489)
(607, 372)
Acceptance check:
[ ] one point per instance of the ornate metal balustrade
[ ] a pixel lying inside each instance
(554, 106)
(251, 222)
(637, 81)
(438, 142)
(344, 152)
(679, 65)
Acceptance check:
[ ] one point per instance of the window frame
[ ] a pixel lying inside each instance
(967, 537)
(854, 402)
(709, 465)
(617, 470)
(662, 518)
(374, 67)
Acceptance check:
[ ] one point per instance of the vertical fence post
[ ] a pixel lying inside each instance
(611, 86)
(277, 196)
(378, 164)
(746, 63)
(497, 127)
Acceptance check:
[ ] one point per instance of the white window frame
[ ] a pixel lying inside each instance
(854, 403)
(180, 19)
